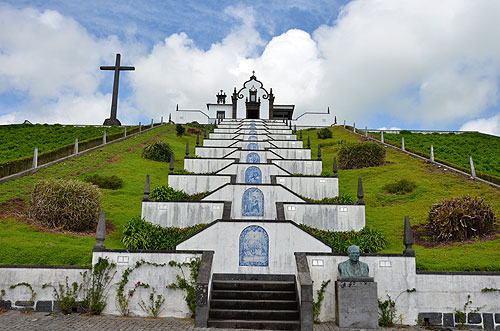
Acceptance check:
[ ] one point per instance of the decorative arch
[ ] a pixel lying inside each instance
(253, 146)
(253, 158)
(254, 138)
(254, 247)
(253, 132)
(253, 175)
(253, 202)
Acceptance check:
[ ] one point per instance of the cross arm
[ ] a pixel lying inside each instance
(113, 68)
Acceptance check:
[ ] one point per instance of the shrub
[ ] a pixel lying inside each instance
(180, 129)
(461, 218)
(166, 193)
(69, 205)
(108, 182)
(387, 312)
(194, 131)
(401, 186)
(361, 155)
(368, 239)
(341, 199)
(324, 133)
(157, 151)
(139, 234)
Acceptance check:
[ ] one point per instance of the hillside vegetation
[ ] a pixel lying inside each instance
(23, 243)
(455, 148)
(20, 140)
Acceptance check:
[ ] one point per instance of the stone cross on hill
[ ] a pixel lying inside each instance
(113, 120)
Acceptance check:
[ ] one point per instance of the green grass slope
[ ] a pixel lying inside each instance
(25, 244)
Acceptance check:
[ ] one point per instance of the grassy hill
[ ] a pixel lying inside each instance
(23, 243)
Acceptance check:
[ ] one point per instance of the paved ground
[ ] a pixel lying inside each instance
(15, 320)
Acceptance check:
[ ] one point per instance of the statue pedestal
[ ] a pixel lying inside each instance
(357, 303)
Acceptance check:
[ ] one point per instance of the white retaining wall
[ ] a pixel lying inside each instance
(293, 153)
(156, 277)
(218, 142)
(315, 188)
(327, 217)
(181, 214)
(223, 238)
(287, 144)
(213, 152)
(192, 184)
(304, 167)
(201, 166)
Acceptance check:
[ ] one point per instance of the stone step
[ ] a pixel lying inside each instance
(253, 304)
(256, 324)
(253, 314)
(263, 277)
(253, 295)
(253, 285)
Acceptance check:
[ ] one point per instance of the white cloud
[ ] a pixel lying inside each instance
(435, 64)
(489, 125)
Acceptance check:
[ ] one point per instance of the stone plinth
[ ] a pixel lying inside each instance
(357, 303)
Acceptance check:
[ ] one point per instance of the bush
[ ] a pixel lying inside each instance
(361, 155)
(194, 131)
(180, 129)
(139, 234)
(324, 133)
(108, 182)
(341, 199)
(368, 239)
(69, 205)
(166, 193)
(402, 186)
(461, 218)
(157, 151)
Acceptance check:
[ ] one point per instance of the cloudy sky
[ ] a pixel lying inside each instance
(419, 64)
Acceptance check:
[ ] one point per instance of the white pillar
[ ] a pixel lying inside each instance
(161, 121)
(344, 124)
(472, 169)
(432, 153)
(76, 146)
(382, 136)
(151, 122)
(124, 131)
(35, 158)
(140, 127)
(403, 143)
(366, 131)
(104, 138)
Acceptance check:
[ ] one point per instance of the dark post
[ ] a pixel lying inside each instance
(171, 164)
(335, 121)
(360, 192)
(169, 118)
(408, 238)
(197, 140)
(187, 148)
(319, 152)
(295, 128)
(308, 142)
(335, 167)
(290, 124)
(113, 121)
(300, 134)
(205, 134)
(147, 189)
(100, 233)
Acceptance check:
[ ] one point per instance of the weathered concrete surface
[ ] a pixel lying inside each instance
(203, 166)
(267, 169)
(303, 167)
(315, 188)
(181, 214)
(197, 183)
(326, 216)
(357, 305)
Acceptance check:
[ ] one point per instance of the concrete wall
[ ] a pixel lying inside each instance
(157, 278)
(314, 119)
(326, 216)
(192, 184)
(181, 214)
(284, 239)
(293, 153)
(213, 152)
(202, 166)
(36, 276)
(218, 142)
(261, 144)
(315, 188)
(287, 144)
(242, 155)
(395, 274)
(304, 167)
(188, 116)
(229, 135)
(239, 169)
(234, 193)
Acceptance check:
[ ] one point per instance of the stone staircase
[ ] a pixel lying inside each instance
(253, 301)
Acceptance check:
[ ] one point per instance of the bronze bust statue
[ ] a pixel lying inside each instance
(353, 268)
